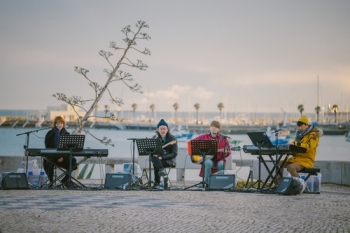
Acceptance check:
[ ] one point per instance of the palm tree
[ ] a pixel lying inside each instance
(301, 109)
(317, 109)
(220, 107)
(106, 110)
(134, 107)
(197, 106)
(176, 107)
(152, 107)
(335, 110)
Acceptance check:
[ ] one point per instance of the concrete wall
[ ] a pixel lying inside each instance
(337, 172)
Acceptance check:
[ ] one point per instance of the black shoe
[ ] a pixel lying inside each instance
(162, 172)
(65, 179)
(68, 184)
(156, 186)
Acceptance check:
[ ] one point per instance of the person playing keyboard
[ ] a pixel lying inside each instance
(307, 136)
(51, 141)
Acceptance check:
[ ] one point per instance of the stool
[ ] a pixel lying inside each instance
(310, 171)
(168, 169)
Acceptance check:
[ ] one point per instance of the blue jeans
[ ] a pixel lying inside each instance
(208, 166)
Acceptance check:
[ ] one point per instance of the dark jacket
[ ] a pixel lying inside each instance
(50, 137)
(170, 151)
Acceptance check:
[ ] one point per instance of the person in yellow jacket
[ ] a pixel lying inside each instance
(307, 136)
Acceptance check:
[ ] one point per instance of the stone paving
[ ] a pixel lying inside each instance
(174, 210)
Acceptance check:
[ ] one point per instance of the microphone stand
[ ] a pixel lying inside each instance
(27, 143)
(133, 154)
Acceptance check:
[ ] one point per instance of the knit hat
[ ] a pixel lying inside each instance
(304, 120)
(162, 122)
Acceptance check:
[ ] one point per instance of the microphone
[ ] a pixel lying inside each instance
(57, 125)
(225, 136)
(213, 131)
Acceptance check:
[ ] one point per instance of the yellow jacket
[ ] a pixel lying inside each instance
(310, 142)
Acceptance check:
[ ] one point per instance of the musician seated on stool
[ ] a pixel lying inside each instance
(307, 136)
(51, 141)
(219, 157)
(168, 157)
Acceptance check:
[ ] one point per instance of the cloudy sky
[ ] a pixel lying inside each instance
(257, 56)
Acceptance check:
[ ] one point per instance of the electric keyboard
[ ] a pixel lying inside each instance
(55, 152)
(282, 149)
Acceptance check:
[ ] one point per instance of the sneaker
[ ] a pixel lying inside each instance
(156, 186)
(162, 172)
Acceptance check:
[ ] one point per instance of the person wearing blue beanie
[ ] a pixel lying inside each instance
(168, 157)
(162, 122)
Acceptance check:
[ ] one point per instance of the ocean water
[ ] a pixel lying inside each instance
(333, 148)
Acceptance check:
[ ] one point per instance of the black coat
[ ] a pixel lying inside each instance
(49, 138)
(169, 152)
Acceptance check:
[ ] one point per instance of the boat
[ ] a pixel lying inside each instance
(181, 133)
(284, 136)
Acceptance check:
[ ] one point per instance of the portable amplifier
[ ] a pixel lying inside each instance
(117, 180)
(221, 181)
(287, 186)
(12, 180)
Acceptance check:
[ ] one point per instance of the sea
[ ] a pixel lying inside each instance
(13, 140)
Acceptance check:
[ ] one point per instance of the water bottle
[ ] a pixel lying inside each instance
(316, 184)
(42, 178)
(35, 184)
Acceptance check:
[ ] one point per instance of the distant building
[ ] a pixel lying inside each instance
(40, 116)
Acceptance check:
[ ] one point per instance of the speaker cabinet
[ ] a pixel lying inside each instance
(117, 180)
(221, 181)
(287, 186)
(12, 180)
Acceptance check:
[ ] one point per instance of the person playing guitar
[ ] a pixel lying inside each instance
(217, 161)
(168, 157)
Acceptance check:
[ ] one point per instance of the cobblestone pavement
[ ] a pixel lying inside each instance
(175, 210)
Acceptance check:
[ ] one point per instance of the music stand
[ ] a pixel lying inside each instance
(73, 143)
(147, 146)
(260, 139)
(203, 147)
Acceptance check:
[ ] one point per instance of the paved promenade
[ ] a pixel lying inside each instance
(175, 210)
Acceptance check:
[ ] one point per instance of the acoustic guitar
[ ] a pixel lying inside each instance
(198, 158)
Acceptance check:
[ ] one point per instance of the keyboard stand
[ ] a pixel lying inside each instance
(76, 183)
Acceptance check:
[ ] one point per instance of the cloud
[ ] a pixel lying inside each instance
(176, 92)
(201, 93)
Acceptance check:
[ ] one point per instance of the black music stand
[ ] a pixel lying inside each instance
(149, 147)
(71, 143)
(203, 147)
(260, 139)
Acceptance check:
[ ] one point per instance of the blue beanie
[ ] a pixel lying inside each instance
(162, 122)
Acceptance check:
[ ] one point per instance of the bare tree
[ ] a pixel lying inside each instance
(197, 106)
(301, 109)
(113, 75)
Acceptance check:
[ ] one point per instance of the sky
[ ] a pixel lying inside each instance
(252, 56)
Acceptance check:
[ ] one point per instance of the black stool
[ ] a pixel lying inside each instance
(310, 171)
